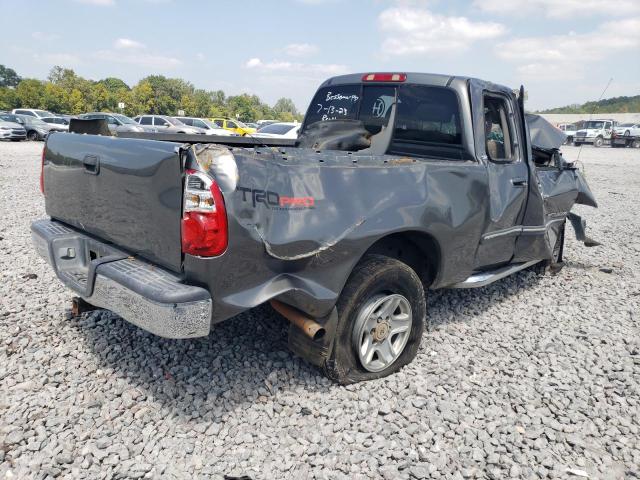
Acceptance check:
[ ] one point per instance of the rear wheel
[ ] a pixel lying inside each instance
(555, 263)
(636, 144)
(627, 133)
(33, 135)
(598, 142)
(381, 314)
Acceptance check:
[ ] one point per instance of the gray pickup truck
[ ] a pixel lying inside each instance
(399, 183)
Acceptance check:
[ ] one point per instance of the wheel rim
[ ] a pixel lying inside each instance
(381, 331)
(33, 136)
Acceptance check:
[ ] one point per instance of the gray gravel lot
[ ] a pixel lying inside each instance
(532, 377)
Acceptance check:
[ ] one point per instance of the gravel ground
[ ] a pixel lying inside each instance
(532, 377)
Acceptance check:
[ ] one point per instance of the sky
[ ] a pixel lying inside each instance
(563, 51)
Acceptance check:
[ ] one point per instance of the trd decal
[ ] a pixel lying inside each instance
(274, 200)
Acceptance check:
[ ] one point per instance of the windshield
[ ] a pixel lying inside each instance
(594, 125)
(124, 119)
(9, 117)
(277, 128)
(210, 124)
(240, 124)
(43, 113)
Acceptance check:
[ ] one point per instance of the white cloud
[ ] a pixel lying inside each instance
(608, 37)
(568, 56)
(559, 8)
(100, 3)
(412, 30)
(300, 49)
(309, 69)
(62, 59)
(44, 36)
(141, 59)
(127, 44)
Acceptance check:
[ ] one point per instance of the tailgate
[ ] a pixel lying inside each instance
(125, 191)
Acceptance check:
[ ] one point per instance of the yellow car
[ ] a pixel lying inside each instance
(235, 126)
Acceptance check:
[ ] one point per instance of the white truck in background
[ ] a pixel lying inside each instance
(596, 132)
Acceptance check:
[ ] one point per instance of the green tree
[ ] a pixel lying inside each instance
(113, 84)
(30, 93)
(8, 98)
(77, 103)
(55, 98)
(8, 77)
(143, 99)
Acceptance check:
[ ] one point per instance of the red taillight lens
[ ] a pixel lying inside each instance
(204, 218)
(42, 172)
(384, 77)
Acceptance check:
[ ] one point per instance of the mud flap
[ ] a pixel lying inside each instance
(579, 225)
(315, 352)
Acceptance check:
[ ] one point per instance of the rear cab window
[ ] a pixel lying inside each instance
(427, 121)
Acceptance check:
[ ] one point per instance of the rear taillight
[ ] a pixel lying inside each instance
(204, 218)
(42, 172)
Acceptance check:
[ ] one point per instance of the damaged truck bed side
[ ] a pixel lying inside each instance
(398, 183)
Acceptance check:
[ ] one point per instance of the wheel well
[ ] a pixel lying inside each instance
(417, 249)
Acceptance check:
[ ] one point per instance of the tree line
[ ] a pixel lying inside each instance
(607, 105)
(68, 93)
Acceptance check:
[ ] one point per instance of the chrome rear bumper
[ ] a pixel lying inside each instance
(144, 294)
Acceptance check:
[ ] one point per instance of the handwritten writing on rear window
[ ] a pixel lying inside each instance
(336, 105)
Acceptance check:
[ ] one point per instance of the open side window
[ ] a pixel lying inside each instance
(500, 144)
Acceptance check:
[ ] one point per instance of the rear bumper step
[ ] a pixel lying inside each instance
(142, 293)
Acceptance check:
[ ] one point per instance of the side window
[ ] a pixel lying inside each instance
(498, 130)
(231, 124)
(145, 121)
(160, 121)
(111, 120)
(218, 123)
(199, 123)
(428, 123)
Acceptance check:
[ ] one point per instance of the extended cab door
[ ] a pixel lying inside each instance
(508, 176)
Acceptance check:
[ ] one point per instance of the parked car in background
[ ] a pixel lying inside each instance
(32, 112)
(264, 123)
(166, 124)
(115, 121)
(596, 132)
(12, 131)
(235, 126)
(37, 129)
(63, 122)
(279, 130)
(628, 129)
(569, 130)
(252, 125)
(207, 125)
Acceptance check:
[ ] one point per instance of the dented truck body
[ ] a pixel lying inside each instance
(300, 218)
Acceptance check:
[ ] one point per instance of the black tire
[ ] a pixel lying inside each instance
(374, 276)
(598, 142)
(33, 135)
(555, 263)
(636, 144)
(627, 133)
(576, 144)
(569, 140)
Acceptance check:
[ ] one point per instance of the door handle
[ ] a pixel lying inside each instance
(91, 164)
(519, 182)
